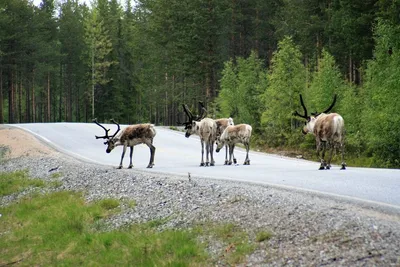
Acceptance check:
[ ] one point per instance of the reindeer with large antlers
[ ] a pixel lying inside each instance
(328, 130)
(206, 129)
(130, 136)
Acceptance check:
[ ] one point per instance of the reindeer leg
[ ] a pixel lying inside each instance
(152, 153)
(342, 152)
(202, 153)
(212, 154)
(226, 155)
(130, 158)
(231, 147)
(247, 161)
(207, 153)
(233, 156)
(122, 157)
(332, 147)
(323, 162)
(322, 166)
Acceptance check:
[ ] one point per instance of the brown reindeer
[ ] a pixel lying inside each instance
(221, 126)
(328, 130)
(232, 135)
(130, 136)
(206, 129)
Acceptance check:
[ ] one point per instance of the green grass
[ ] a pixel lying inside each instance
(16, 182)
(236, 241)
(60, 228)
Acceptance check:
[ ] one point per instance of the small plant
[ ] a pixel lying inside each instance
(3, 152)
(56, 175)
(108, 203)
(263, 235)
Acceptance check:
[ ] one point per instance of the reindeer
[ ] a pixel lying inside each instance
(232, 135)
(328, 129)
(221, 126)
(206, 129)
(130, 136)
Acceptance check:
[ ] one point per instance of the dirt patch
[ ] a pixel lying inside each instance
(16, 143)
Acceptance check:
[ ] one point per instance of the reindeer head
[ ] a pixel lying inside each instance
(190, 125)
(309, 127)
(219, 144)
(110, 139)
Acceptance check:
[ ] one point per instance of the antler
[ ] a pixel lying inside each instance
(106, 130)
(203, 113)
(305, 116)
(113, 121)
(187, 111)
(331, 106)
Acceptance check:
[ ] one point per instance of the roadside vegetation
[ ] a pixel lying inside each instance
(60, 228)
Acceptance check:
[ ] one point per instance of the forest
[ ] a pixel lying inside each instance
(139, 61)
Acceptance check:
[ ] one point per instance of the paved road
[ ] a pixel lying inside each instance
(176, 154)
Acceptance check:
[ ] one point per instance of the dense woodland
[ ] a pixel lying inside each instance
(139, 61)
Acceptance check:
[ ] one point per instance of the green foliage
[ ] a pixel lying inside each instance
(242, 85)
(380, 118)
(286, 80)
(326, 81)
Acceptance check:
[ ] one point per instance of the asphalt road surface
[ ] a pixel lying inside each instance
(176, 154)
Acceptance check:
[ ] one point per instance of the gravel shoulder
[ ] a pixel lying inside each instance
(307, 229)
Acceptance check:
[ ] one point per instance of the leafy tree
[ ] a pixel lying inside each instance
(380, 120)
(326, 82)
(286, 80)
(97, 39)
(241, 89)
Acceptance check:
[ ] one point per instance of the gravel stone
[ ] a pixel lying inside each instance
(307, 229)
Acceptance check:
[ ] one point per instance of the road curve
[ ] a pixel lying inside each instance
(176, 154)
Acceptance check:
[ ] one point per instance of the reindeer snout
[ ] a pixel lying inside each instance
(187, 135)
(108, 150)
(217, 150)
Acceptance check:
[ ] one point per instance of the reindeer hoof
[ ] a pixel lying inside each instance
(130, 166)
(207, 164)
(150, 166)
(230, 163)
(119, 167)
(343, 167)
(328, 167)
(201, 164)
(234, 161)
(212, 164)
(226, 162)
(322, 168)
(246, 163)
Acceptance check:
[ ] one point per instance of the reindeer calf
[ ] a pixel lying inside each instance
(232, 135)
(221, 126)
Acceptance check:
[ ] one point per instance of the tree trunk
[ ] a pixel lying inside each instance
(33, 98)
(1, 96)
(20, 99)
(48, 98)
(10, 96)
(350, 69)
(61, 95)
